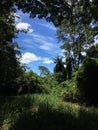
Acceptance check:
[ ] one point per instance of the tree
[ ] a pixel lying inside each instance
(44, 71)
(9, 50)
(59, 64)
(29, 82)
(85, 12)
(71, 17)
(58, 10)
(69, 63)
(74, 11)
(59, 70)
(75, 39)
(52, 10)
(9, 70)
(92, 51)
(87, 81)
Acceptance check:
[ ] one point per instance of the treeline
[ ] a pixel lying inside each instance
(80, 88)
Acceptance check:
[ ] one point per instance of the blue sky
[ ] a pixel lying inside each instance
(39, 45)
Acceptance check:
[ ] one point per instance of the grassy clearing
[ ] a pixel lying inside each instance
(45, 112)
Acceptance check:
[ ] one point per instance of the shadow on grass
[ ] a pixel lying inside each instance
(39, 113)
(43, 121)
(12, 107)
(48, 119)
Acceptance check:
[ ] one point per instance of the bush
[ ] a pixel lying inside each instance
(87, 81)
(29, 83)
(70, 94)
(60, 76)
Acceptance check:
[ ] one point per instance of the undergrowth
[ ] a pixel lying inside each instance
(45, 112)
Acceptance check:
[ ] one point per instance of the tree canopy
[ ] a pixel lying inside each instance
(58, 10)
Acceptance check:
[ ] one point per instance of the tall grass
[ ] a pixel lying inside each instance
(45, 112)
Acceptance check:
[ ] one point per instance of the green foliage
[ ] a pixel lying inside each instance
(59, 70)
(9, 68)
(48, 112)
(87, 81)
(50, 10)
(41, 112)
(48, 83)
(75, 38)
(28, 82)
(92, 51)
(74, 11)
(9, 50)
(70, 91)
(44, 71)
(60, 76)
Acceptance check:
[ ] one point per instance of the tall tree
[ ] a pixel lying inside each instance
(59, 69)
(75, 39)
(9, 50)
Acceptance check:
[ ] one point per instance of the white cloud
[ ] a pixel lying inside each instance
(29, 57)
(24, 27)
(30, 30)
(47, 61)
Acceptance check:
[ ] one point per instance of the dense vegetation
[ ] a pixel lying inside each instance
(41, 112)
(65, 99)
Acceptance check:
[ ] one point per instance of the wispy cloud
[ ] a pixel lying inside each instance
(27, 40)
(49, 26)
(31, 57)
(45, 42)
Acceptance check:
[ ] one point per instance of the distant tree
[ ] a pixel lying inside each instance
(44, 71)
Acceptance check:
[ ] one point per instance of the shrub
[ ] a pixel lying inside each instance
(60, 76)
(87, 81)
(70, 91)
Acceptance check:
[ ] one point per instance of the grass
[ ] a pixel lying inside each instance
(45, 112)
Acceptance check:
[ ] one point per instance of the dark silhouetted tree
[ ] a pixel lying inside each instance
(87, 81)
(59, 69)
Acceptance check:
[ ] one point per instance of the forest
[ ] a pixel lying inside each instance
(66, 99)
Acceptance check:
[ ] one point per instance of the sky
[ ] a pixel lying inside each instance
(39, 45)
